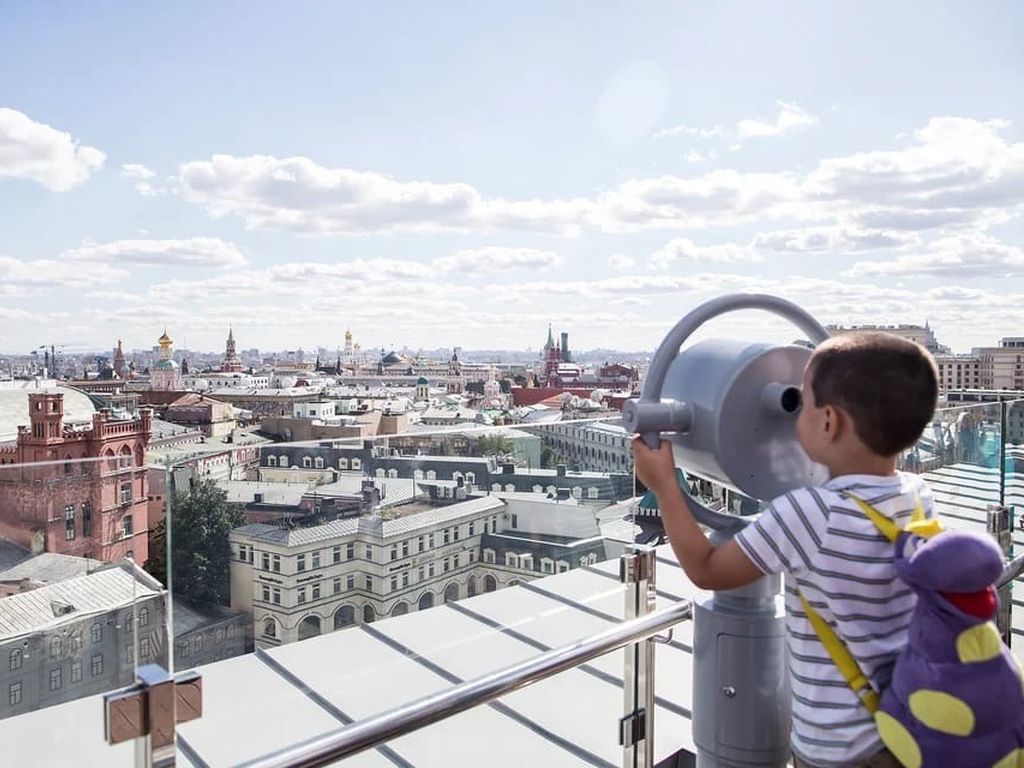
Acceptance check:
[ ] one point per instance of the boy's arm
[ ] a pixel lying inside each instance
(707, 566)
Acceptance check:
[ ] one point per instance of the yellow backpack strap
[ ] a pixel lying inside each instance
(885, 526)
(842, 658)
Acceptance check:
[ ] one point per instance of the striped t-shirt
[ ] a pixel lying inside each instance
(828, 548)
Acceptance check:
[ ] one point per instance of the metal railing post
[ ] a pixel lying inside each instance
(999, 522)
(636, 728)
(149, 712)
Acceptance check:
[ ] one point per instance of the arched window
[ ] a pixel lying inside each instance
(282, 461)
(379, 472)
(514, 583)
(551, 489)
(111, 460)
(269, 628)
(470, 477)
(342, 463)
(318, 462)
(488, 555)
(125, 459)
(431, 474)
(417, 474)
(55, 647)
(471, 586)
(392, 473)
(592, 492)
(309, 627)
(67, 465)
(495, 486)
(400, 609)
(307, 462)
(510, 487)
(490, 583)
(368, 614)
(271, 461)
(357, 464)
(143, 617)
(538, 489)
(140, 456)
(15, 659)
(345, 616)
(426, 601)
(451, 593)
(577, 492)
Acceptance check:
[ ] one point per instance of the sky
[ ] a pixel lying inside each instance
(465, 173)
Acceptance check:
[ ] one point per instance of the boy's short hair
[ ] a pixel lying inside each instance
(887, 384)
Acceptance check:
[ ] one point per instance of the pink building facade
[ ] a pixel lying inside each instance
(87, 496)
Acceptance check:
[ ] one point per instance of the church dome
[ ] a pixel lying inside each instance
(165, 365)
(422, 380)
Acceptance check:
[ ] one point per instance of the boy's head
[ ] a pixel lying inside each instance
(877, 387)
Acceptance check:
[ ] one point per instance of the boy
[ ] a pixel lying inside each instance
(866, 397)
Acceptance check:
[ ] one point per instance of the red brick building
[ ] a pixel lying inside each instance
(86, 494)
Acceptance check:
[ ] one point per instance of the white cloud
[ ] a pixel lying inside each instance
(686, 251)
(35, 151)
(957, 257)
(193, 252)
(692, 131)
(358, 270)
(136, 171)
(50, 273)
(831, 239)
(790, 118)
(498, 259)
(296, 193)
(620, 262)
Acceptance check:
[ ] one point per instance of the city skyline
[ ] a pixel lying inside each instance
(464, 177)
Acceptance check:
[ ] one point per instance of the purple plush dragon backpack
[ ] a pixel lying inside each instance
(957, 695)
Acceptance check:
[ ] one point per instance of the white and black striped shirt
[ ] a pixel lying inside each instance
(828, 548)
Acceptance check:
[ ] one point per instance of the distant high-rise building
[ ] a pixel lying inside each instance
(231, 362)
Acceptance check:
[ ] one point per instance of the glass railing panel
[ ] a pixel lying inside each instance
(79, 611)
(432, 554)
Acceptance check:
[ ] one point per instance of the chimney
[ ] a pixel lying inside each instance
(560, 470)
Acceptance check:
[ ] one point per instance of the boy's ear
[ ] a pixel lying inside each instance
(832, 422)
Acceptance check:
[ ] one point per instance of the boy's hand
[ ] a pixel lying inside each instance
(656, 469)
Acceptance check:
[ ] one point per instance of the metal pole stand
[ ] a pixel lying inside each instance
(741, 695)
(150, 710)
(636, 728)
(999, 521)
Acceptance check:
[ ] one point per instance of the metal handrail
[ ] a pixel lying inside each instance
(373, 731)
(1011, 571)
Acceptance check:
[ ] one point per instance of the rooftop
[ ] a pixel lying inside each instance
(49, 568)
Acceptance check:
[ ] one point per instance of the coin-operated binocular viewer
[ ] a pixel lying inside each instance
(729, 409)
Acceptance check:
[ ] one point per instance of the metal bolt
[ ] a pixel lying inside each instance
(729, 691)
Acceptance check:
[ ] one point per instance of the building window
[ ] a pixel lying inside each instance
(266, 594)
(15, 659)
(421, 543)
(56, 646)
(126, 525)
(302, 595)
(547, 565)
(243, 553)
(276, 564)
(270, 628)
(455, 533)
(315, 560)
(430, 541)
(447, 565)
(69, 522)
(592, 492)
(446, 536)
(405, 549)
(318, 462)
(86, 518)
(307, 462)
(455, 561)
(271, 461)
(97, 633)
(394, 583)
(488, 555)
(472, 527)
(337, 585)
(405, 578)
(276, 596)
(336, 553)
(283, 462)
(300, 563)
(350, 551)
(14, 694)
(356, 464)
(126, 493)
(76, 671)
(97, 665)
(266, 561)
(56, 679)
(430, 570)
(316, 591)
(369, 553)
(369, 583)
(350, 582)
(144, 647)
(144, 617)
(394, 552)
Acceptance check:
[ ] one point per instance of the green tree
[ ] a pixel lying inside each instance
(494, 445)
(200, 549)
(549, 458)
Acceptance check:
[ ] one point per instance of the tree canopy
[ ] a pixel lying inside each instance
(201, 552)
